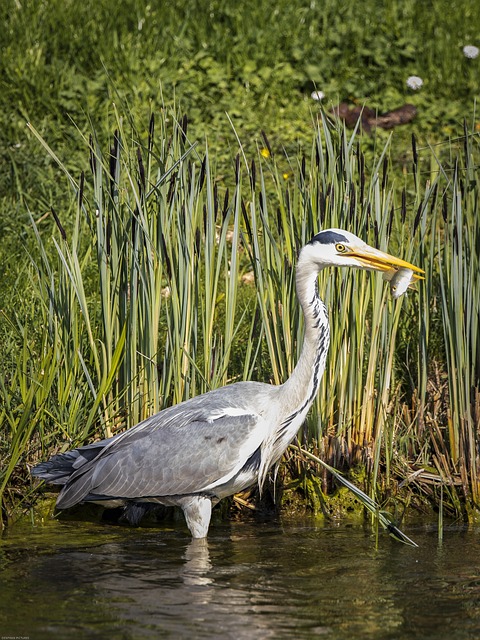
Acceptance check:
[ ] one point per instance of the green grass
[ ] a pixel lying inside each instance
(127, 228)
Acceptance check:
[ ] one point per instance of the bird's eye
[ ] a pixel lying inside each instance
(341, 248)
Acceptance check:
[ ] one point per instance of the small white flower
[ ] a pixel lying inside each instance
(469, 51)
(414, 82)
(318, 95)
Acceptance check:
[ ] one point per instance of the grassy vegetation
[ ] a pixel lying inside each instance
(130, 231)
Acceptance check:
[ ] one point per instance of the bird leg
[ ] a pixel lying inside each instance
(197, 511)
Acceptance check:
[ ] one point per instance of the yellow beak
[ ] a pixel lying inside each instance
(381, 261)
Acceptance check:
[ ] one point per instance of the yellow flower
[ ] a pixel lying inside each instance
(265, 152)
(287, 175)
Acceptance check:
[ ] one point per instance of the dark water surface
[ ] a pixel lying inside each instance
(293, 579)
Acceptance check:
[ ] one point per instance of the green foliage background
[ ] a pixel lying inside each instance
(236, 69)
(64, 63)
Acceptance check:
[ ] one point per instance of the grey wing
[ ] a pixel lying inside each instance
(174, 458)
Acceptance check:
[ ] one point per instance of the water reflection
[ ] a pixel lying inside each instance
(299, 580)
(176, 588)
(197, 564)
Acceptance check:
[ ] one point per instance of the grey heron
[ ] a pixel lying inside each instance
(195, 453)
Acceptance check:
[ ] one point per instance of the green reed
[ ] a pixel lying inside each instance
(140, 301)
(137, 292)
(458, 250)
(333, 194)
(358, 417)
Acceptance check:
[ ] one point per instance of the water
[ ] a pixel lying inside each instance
(289, 579)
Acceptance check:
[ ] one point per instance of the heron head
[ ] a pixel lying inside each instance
(336, 247)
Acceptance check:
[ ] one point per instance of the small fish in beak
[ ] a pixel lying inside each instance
(400, 279)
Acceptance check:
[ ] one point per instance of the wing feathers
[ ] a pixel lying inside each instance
(177, 457)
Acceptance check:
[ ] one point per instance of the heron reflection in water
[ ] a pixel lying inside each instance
(204, 449)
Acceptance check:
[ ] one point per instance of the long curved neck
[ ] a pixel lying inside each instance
(301, 388)
(299, 391)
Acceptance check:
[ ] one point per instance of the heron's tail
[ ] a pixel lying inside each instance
(58, 469)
